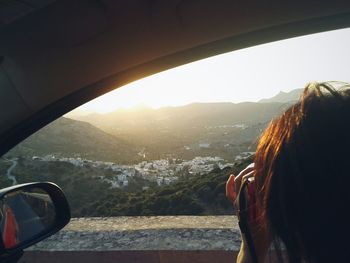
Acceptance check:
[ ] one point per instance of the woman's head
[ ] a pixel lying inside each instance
(302, 172)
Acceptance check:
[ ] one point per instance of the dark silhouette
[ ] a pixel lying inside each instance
(302, 179)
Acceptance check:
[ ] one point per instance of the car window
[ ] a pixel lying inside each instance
(166, 144)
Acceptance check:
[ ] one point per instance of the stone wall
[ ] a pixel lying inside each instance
(156, 239)
(146, 233)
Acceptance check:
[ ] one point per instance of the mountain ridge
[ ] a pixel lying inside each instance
(221, 129)
(283, 97)
(73, 138)
(181, 132)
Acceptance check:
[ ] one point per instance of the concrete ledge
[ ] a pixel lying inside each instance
(156, 239)
(165, 256)
(146, 233)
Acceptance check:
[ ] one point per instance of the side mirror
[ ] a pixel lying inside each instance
(28, 214)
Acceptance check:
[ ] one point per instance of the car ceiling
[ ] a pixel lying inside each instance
(56, 55)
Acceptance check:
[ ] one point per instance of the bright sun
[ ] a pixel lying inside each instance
(245, 75)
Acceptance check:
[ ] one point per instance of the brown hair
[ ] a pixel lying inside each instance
(302, 174)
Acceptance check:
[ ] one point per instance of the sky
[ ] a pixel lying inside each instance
(245, 75)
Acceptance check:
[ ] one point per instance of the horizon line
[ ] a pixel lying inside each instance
(135, 108)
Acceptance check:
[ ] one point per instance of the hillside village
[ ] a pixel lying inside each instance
(162, 172)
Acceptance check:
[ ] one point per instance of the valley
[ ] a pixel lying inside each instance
(172, 160)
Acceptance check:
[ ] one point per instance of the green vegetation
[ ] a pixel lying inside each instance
(191, 195)
(81, 185)
(89, 195)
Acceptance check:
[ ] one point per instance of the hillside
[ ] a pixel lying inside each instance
(200, 129)
(127, 137)
(67, 137)
(82, 185)
(191, 195)
(89, 191)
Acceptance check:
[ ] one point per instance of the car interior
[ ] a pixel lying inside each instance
(56, 55)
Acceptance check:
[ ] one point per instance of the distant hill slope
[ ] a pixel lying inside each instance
(192, 115)
(191, 195)
(199, 129)
(284, 97)
(67, 137)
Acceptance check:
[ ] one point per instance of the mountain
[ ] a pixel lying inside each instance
(199, 115)
(68, 138)
(199, 129)
(284, 97)
(124, 136)
(190, 115)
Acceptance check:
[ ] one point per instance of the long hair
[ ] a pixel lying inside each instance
(302, 170)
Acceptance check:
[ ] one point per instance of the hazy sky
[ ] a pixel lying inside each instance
(244, 75)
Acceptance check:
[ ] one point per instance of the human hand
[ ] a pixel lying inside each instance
(233, 184)
(257, 226)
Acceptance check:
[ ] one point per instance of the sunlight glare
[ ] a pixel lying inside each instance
(245, 75)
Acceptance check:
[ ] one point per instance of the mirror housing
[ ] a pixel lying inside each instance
(30, 213)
